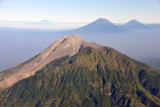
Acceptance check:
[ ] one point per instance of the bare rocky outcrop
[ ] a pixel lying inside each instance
(65, 46)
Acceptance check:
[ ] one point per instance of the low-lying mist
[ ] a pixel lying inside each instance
(19, 45)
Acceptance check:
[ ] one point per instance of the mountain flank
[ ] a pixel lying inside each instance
(65, 46)
(99, 26)
(84, 74)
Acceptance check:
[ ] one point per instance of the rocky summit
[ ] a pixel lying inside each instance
(75, 73)
(65, 46)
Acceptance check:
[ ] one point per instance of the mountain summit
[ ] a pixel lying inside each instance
(102, 25)
(73, 72)
(65, 46)
(134, 24)
(99, 26)
(101, 21)
(44, 21)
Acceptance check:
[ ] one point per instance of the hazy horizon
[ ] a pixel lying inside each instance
(19, 45)
(48, 25)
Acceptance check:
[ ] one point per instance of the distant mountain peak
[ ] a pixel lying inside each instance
(100, 25)
(101, 20)
(134, 21)
(45, 21)
(134, 24)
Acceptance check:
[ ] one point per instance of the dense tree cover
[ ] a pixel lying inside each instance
(93, 77)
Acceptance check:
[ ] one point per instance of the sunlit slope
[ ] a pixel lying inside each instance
(92, 77)
(65, 46)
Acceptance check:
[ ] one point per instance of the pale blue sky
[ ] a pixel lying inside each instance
(117, 11)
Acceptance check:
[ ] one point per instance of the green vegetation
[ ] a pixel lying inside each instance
(93, 77)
